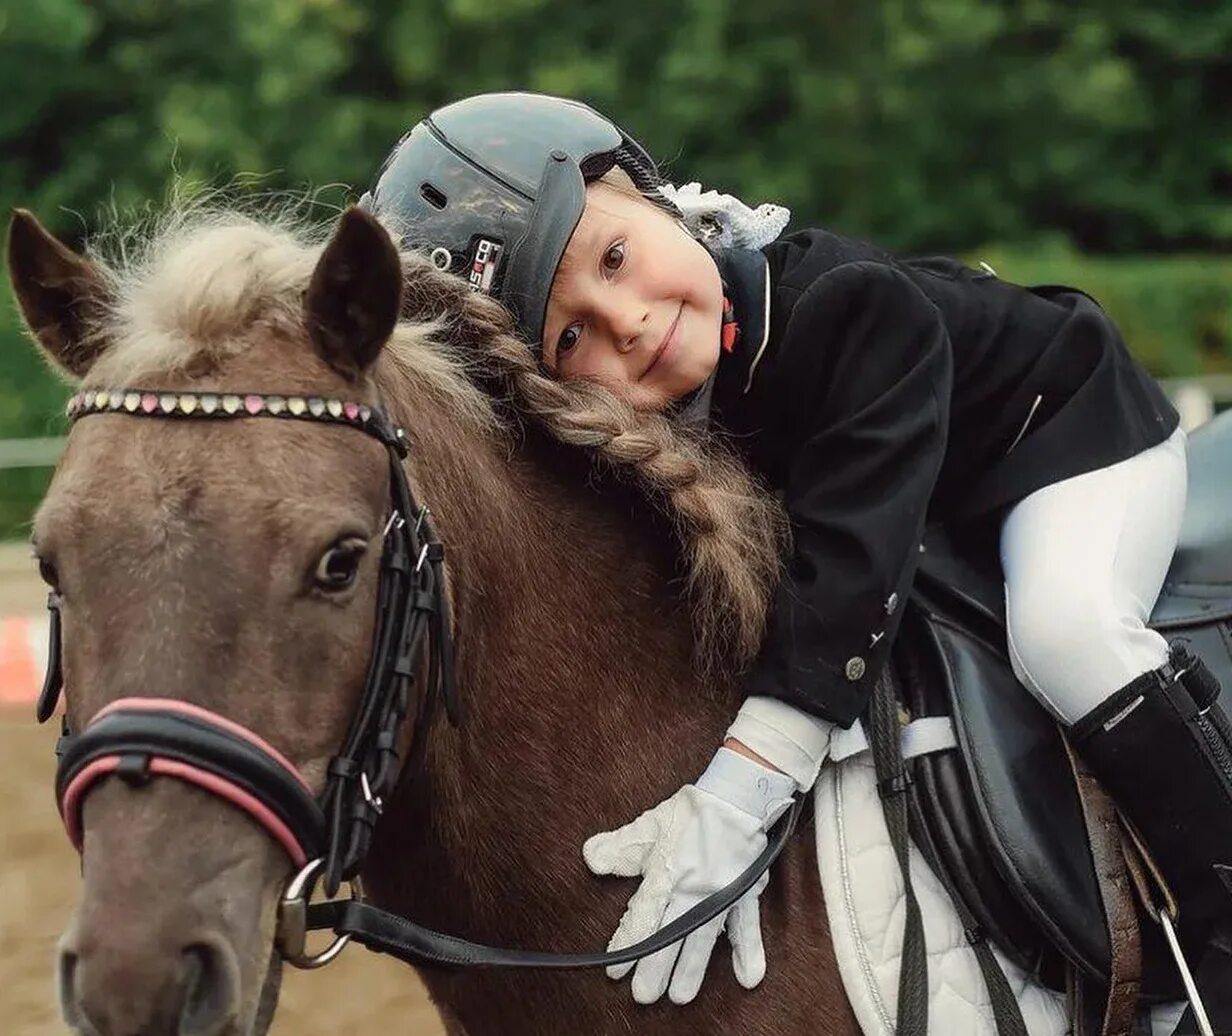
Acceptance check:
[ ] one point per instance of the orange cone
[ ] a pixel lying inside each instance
(19, 676)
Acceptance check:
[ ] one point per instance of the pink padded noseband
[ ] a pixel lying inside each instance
(213, 779)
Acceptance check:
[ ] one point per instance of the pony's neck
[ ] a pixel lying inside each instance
(574, 662)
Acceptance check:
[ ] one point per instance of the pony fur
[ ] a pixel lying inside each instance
(182, 546)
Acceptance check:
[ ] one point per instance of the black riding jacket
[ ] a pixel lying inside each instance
(878, 394)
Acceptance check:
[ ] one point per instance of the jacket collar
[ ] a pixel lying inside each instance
(746, 282)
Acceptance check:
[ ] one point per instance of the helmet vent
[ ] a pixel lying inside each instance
(433, 196)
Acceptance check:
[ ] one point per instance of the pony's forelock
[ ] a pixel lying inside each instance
(199, 281)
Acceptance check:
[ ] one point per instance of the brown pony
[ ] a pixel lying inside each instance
(187, 555)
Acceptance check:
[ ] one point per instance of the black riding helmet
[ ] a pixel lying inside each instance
(494, 185)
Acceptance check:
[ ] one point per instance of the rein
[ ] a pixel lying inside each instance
(327, 837)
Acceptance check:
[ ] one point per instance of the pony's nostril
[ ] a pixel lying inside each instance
(66, 980)
(211, 989)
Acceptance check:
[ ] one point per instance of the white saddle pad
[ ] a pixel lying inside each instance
(866, 908)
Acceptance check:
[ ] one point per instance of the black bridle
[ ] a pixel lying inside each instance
(327, 837)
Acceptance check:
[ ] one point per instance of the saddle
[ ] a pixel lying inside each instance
(1001, 817)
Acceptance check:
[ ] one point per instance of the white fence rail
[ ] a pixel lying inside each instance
(30, 453)
(1197, 399)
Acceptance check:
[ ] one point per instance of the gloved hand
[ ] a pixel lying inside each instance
(685, 848)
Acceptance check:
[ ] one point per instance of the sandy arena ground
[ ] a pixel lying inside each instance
(358, 994)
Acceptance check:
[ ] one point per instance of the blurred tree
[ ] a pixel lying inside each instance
(923, 124)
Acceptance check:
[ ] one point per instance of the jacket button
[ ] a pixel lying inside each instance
(854, 668)
(891, 604)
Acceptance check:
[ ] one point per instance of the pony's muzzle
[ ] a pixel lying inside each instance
(108, 989)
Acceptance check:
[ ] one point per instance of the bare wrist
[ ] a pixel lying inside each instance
(741, 748)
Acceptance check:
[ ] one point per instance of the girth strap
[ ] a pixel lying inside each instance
(899, 805)
(388, 933)
(1007, 1015)
(893, 781)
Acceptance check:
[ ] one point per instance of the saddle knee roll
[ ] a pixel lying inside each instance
(1162, 746)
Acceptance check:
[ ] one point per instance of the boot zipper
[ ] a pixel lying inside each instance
(1219, 749)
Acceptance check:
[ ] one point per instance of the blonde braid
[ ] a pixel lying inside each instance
(732, 531)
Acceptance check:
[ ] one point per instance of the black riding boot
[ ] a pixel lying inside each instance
(1162, 746)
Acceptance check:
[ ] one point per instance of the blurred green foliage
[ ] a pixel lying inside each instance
(20, 491)
(1079, 141)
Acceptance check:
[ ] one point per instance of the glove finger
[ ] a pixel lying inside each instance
(642, 918)
(694, 957)
(653, 973)
(619, 971)
(744, 934)
(623, 852)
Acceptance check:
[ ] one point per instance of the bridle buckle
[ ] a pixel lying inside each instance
(291, 936)
(378, 807)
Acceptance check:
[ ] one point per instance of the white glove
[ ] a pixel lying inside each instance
(686, 848)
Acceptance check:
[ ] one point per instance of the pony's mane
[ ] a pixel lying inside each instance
(200, 282)
(189, 287)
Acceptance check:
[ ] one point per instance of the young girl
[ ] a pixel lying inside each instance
(875, 394)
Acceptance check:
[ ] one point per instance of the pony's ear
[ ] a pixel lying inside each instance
(59, 294)
(355, 294)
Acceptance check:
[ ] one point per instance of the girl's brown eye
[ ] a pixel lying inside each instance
(614, 257)
(569, 337)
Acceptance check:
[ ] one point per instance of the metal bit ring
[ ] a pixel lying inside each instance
(292, 933)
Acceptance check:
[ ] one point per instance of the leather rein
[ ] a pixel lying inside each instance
(326, 837)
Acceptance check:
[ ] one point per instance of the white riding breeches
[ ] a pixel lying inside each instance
(1084, 561)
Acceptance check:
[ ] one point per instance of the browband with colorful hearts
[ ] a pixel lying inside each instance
(216, 404)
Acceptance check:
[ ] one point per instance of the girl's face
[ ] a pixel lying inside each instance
(636, 305)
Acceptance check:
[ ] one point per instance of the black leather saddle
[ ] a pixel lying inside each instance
(1001, 813)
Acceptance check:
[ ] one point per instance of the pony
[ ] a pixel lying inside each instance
(599, 628)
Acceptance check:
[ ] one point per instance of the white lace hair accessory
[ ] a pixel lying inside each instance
(725, 220)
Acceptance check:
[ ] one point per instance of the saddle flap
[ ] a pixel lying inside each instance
(1023, 794)
(1017, 804)
(954, 844)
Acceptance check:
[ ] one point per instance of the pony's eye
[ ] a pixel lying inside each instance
(47, 573)
(614, 257)
(338, 567)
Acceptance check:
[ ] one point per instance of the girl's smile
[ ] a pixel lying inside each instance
(663, 352)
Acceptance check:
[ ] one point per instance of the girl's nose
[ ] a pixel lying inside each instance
(627, 321)
(622, 313)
